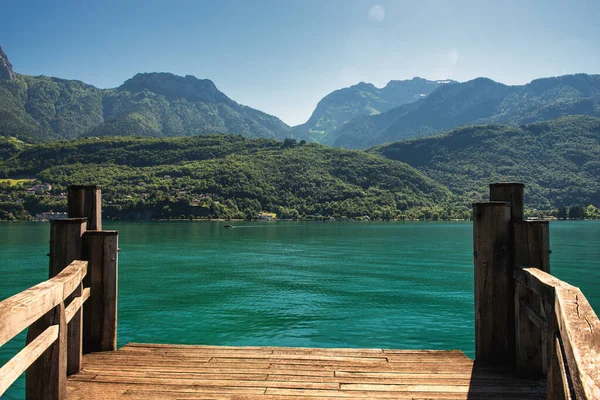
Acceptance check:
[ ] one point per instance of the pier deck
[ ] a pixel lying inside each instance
(158, 371)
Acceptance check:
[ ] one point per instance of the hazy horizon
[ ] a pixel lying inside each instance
(282, 58)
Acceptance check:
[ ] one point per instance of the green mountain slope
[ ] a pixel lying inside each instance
(40, 109)
(345, 104)
(478, 101)
(558, 160)
(225, 176)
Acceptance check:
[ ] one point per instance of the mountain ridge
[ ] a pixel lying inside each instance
(478, 101)
(342, 105)
(39, 109)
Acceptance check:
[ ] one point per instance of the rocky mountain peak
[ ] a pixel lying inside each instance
(6, 68)
(173, 86)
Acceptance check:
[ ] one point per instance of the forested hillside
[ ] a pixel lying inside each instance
(559, 160)
(224, 176)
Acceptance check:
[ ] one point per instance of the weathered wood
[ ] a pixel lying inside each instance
(65, 247)
(532, 244)
(532, 249)
(65, 243)
(20, 362)
(579, 329)
(558, 385)
(541, 283)
(528, 334)
(100, 313)
(76, 304)
(511, 192)
(494, 287)
(21, 310)
(85, 201)
(174, 372)
(46, 377)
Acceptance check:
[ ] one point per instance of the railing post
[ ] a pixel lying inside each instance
(532, 249)
(100, 314)
(85, 201)
(494, 287)
(46, 378)
(65, 247)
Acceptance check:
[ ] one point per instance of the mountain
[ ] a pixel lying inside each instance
(220, 176)
(39, 109)
(6, 68)
(343, 105)
(558, 160)
(479, 101)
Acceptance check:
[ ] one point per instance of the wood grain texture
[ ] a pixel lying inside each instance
(65, 247)
(84, 201)
(579, 330)
(21, 310)
(494, 284)
(100, 314)
(511, 192)
(23, 359)
(153, 371)
(46, 378)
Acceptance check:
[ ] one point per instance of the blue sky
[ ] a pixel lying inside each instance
(283, 56)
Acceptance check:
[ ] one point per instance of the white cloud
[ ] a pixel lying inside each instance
(376, 13)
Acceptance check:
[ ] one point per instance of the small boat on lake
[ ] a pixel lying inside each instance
(228, 226)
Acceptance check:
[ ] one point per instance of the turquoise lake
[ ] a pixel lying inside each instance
(308, 284)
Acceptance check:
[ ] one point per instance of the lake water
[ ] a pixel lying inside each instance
(309, 284)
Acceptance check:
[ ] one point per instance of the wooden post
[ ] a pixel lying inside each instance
(532, 244)
(46, 378)
(85, 201)
(100, 314)
(532, 249)
(513, 193)
(494, 287)
(65, 247)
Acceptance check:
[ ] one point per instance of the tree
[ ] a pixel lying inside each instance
(562, 212)
(577, 212)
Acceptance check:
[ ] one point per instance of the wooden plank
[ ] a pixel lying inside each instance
(46, 377)
(558, 382)
(103, 377)
(76, 304)
(494, 287)
(536, 319)
(491, 389)
(308, 361)
(21, 310)
(100, 314)
(580, 333)
(24, 358)
(528, 334)
(541, 283)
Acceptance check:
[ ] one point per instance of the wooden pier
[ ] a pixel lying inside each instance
(536, 336)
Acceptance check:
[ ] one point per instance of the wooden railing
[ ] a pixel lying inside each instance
(42, 310)
(526, 318)
(83, 268)
(570, 333)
